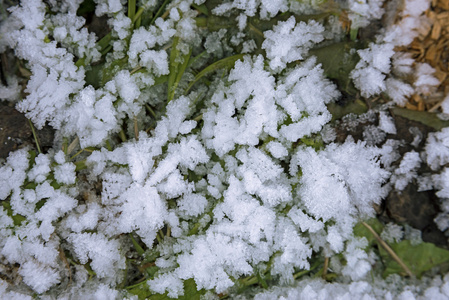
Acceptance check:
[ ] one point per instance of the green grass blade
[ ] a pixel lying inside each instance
(227, 62)
(36, 139)
(104, 42)
(131, 9)
(80, 62)
(137, 16)
(138, 248)
(423, 117)
(173, 67)
(177, 69)
(182, 68)
(419, 258)
(353, 33)
(201, 8)
(193, 60)
(160, 11)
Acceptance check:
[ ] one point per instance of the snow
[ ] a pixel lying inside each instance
(445, 105)
(403, 32)
(10, 92)
(358, 263)
(369, 73)
(398, 90)
(374, 288)
(415, 7)
(406, 171)
(107, 7)
(167, 282)
(392, 233)
(86, 219)
(290, 41)
(362, 12)
(295, 251)
(49, 91)
(424, 80)
(93, 116)
(386, 123)
(250, 7)
(38, 277)
(12, 174)
(69, 32)
(402, 63)
(65, 172)
(437, 148)
(352, 177)
(144, 40)
(126, 87)
(276, 149)
(103, 253)
(41, 169)
(193, 204)
(156, 61)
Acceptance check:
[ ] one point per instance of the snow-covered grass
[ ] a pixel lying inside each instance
(193, 154)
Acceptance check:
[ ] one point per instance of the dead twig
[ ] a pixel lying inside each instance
(326, 266)
(389, 250)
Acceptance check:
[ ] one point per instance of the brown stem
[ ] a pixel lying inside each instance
(326, 266)
(389, 250)
(136, 129)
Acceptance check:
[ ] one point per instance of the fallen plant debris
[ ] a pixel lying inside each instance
(431, 46)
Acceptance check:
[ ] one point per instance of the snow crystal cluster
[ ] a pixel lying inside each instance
(381, 69)
(375, 288)
(244, 186)
(437, 157)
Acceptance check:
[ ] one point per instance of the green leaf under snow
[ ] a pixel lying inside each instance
(142, 291)
(136, 245)
(105, 42)
(201, 8)
(227, 63)
(423, 117)
(357, 107)
(87, 6)
(17, 219)
(177, 67)
(361, 231)
(338, 60)
(160, 11)
(419, 258)
(190, 292)
(112, 69)
(131, 9)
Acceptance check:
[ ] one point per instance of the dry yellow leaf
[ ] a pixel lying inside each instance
(443, 4)
(431, 53)
(436, 31)
(411, 106)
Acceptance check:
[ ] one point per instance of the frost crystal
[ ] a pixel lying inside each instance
(290, 41)
(437, 148)
(369, 73)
